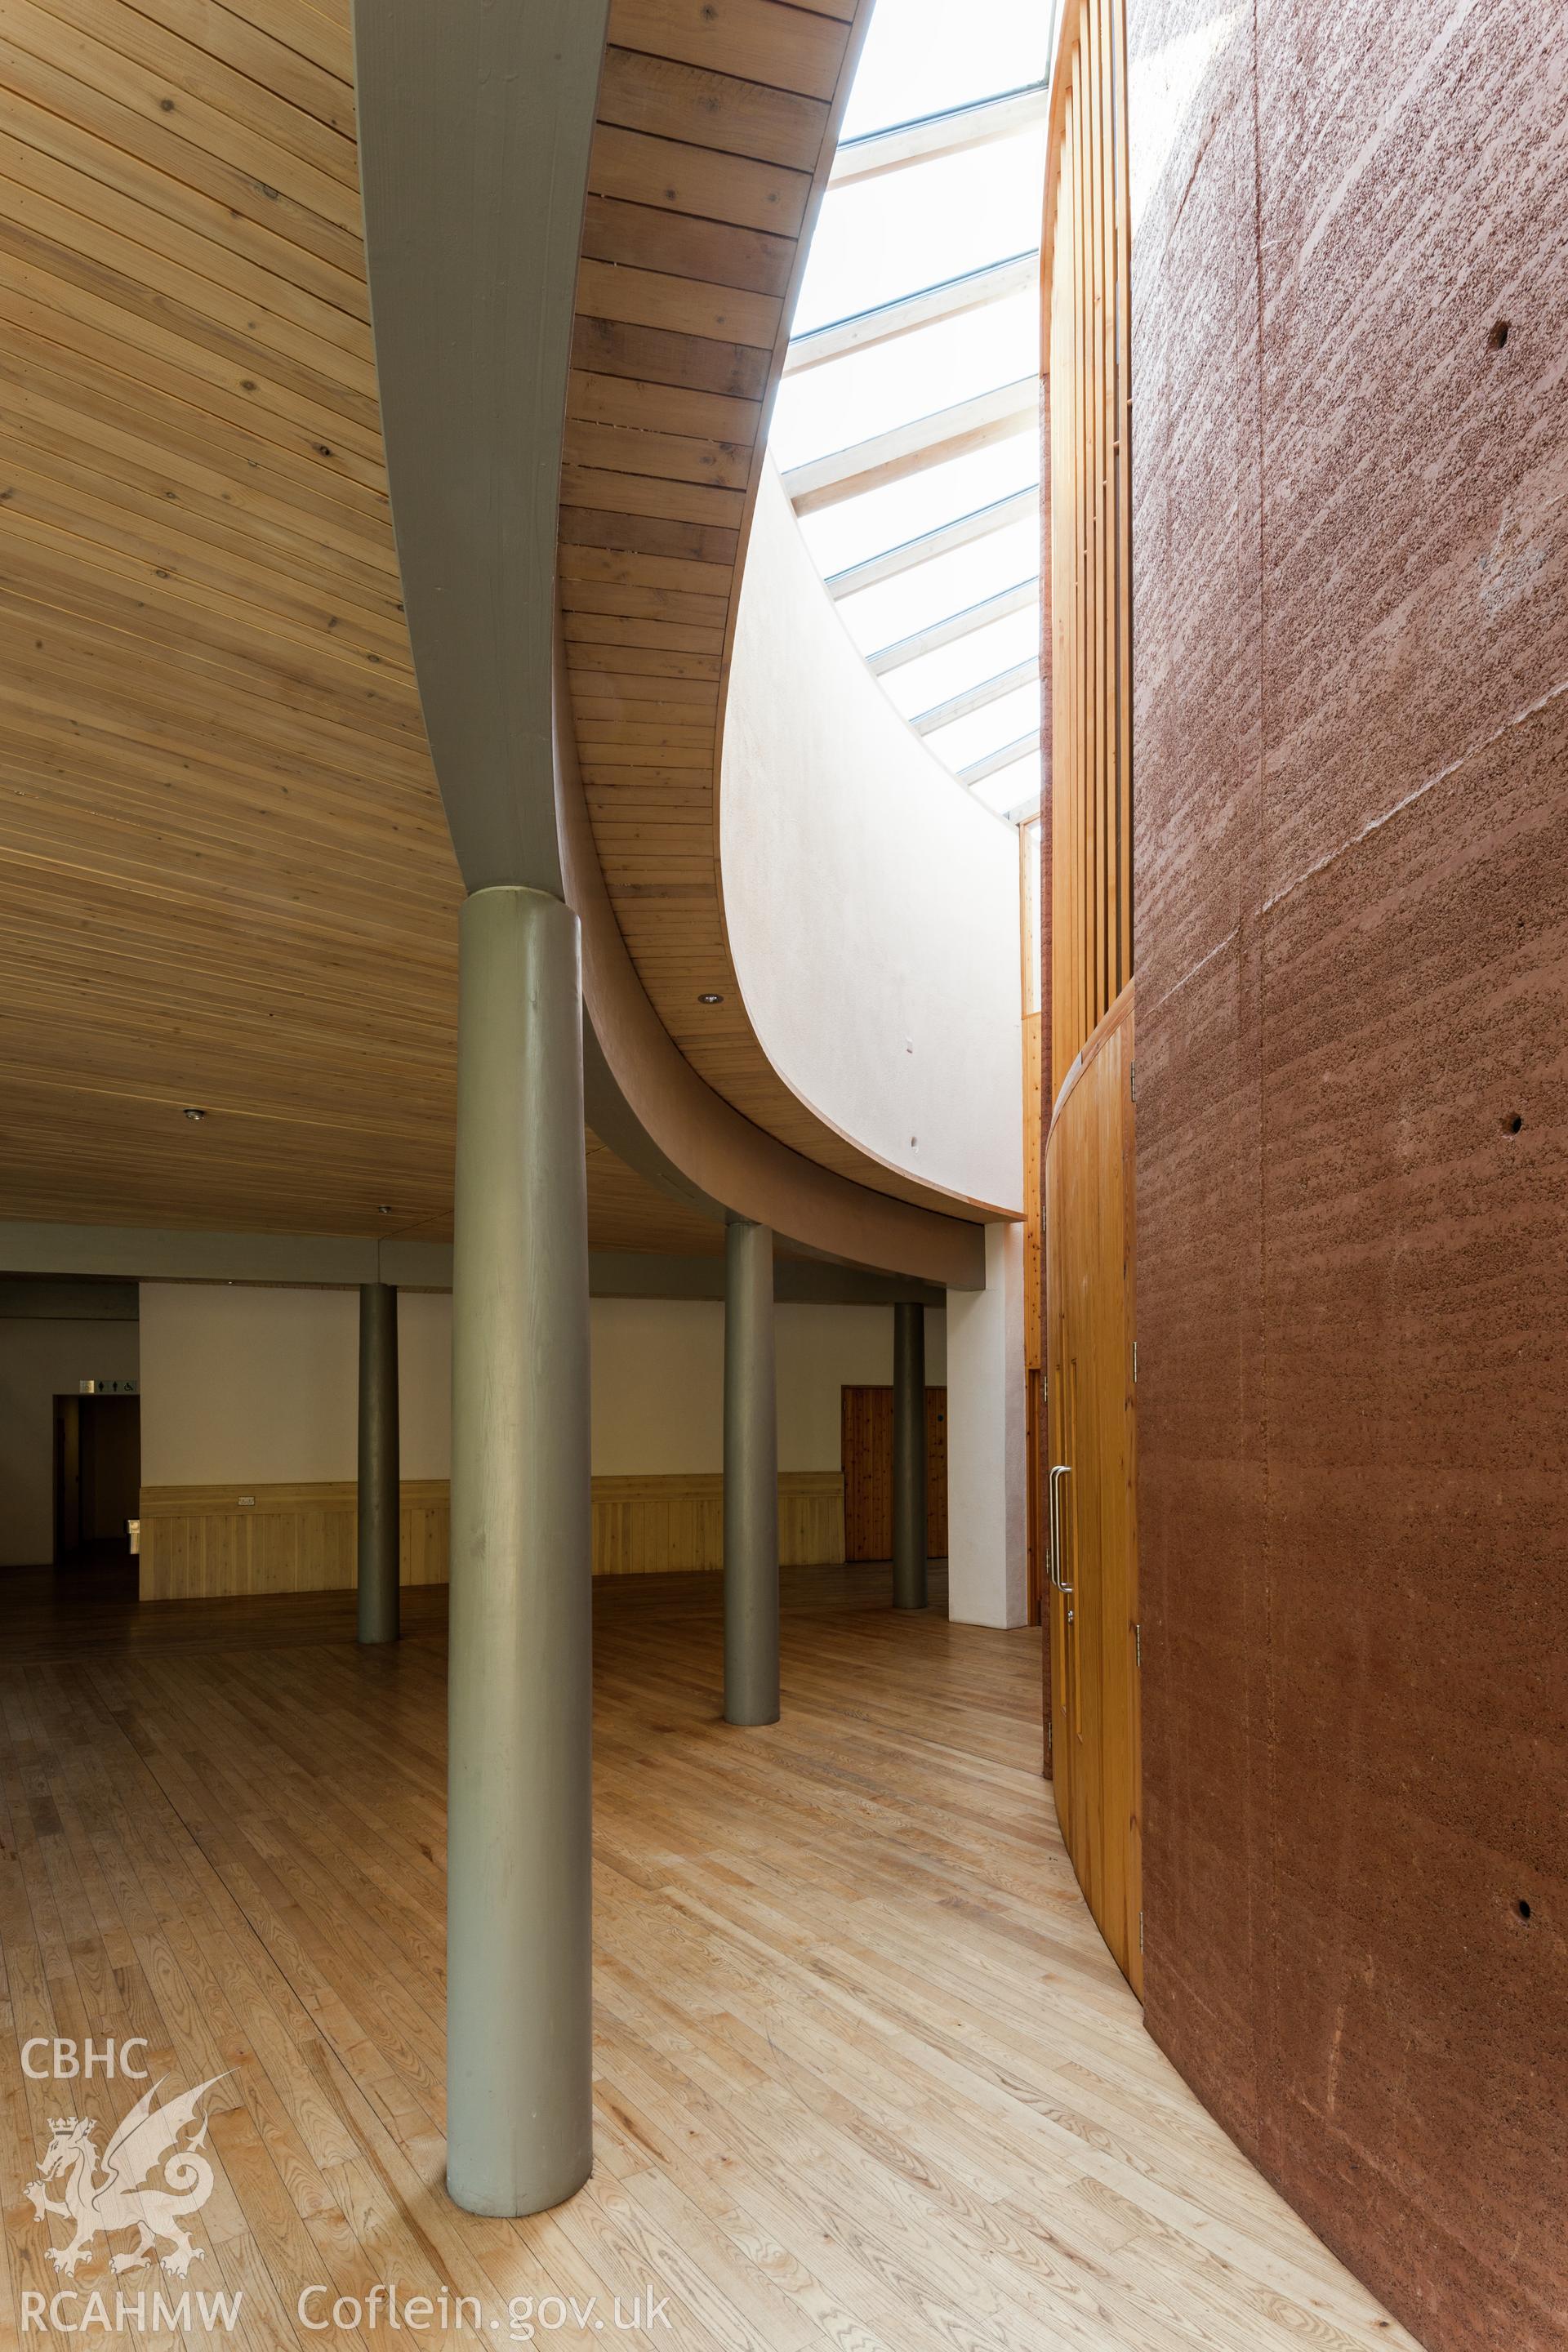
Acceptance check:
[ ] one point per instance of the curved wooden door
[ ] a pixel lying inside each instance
(1090, 1501)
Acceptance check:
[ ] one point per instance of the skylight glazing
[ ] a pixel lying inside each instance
(906, 426)
(923, 54)
(949, 362)
(935, 678)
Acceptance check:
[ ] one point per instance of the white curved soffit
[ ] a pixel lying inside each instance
(872, 905)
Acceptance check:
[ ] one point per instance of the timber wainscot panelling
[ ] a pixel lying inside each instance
(200, 1542)
(644, 1525)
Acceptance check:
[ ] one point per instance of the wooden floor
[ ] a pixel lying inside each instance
(866, 2077)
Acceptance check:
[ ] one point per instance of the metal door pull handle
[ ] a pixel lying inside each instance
(1058, 1470)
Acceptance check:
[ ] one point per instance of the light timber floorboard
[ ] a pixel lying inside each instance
(866, 2077)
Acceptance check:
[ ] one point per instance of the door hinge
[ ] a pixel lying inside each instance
(1140, 1931)
(1134, 1363)
(1138, 1644)
(1132, 1080)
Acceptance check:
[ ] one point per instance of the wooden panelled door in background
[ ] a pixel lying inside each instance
(1091, 1500)
(866, 1454)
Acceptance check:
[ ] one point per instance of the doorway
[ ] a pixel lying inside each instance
(865, 1454)
(98, 1477)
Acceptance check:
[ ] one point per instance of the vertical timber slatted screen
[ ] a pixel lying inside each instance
(1085, 253)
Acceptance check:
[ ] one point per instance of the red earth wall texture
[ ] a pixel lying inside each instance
(1351, 560)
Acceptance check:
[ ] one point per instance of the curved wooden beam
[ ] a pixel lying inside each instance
(479, 146)
(475, 128)
(210, 721)
(645, 1101)
(717, 128)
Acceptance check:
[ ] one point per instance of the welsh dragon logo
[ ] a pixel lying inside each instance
(148, 2138)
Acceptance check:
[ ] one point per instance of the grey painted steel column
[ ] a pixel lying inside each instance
(751, 1479)
(909, 1456)
(379, 1500)
(518, 1920)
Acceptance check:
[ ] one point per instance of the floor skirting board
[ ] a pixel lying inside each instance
(200, 1542)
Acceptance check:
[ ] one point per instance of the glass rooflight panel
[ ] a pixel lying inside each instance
(847, 400)
(912, 66)
(877, 240)
(987, 730)
(878, 520)
(984, 653)
(1013, 791)
(943, 585)
(881, 240)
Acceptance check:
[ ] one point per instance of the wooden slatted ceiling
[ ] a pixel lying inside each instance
(225, 874)
(715, 125)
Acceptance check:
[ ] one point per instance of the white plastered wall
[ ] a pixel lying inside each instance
(987, 1440)
(242, 1384)
(872, 905)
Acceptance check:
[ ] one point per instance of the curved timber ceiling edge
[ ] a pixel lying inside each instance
(717, 132)
(647, 1103)
(473, 445)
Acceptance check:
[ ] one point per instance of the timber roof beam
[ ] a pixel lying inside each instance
(951, 132)
(914, 447)
(954, 299)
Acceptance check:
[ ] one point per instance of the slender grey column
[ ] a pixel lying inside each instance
(909, 1456)
(518, 1919)
(751, 1480)
(380, 1503)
